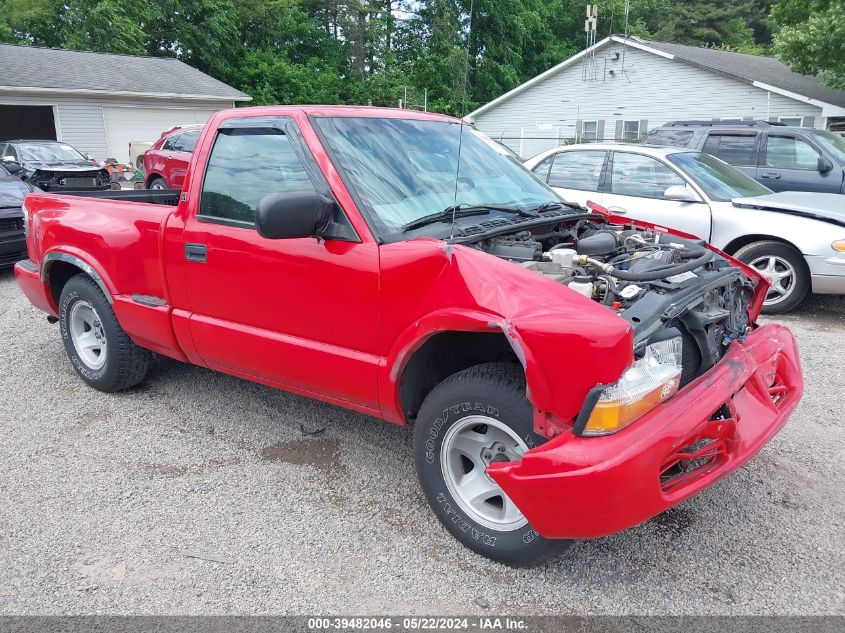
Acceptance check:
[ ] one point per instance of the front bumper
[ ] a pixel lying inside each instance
(12, 243)
(586, 487)
(827, 273)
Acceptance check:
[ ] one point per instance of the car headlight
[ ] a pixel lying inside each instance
(645, 384)
(838, 245)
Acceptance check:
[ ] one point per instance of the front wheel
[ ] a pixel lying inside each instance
(786, 270)
(471, 419)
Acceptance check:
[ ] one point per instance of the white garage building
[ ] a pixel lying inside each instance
(98, 102)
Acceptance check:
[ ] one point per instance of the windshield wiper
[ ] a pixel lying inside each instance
(460, 211)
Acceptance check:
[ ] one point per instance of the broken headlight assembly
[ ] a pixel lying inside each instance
(649, 381)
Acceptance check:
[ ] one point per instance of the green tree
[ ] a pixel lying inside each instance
(810, 37)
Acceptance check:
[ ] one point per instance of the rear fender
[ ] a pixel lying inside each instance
(94, 271)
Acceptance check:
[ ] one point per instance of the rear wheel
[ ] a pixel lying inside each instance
(157, 184)
(471, 419)
(786, 270)
(100, 351)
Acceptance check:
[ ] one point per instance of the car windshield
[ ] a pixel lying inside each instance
(48, 152)
(720, 181)
(832, 143)
(403, 170)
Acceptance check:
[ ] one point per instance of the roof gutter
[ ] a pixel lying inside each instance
(125, 93)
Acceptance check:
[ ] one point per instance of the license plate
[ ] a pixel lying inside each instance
(80, 182)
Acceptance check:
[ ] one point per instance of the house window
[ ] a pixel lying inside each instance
(792, 121)
(590, 131)
(631, 131)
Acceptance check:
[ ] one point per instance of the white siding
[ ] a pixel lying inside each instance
(79, 119)
(653, 89)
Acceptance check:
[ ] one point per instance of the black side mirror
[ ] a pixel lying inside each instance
(13, 167)
(292, 214)
(824, 165)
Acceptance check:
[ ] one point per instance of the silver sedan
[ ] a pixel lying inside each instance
(795, 239)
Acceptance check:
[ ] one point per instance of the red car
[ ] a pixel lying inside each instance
(568, 374)
(166, 162)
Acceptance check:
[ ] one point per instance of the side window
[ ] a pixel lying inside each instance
(187, 142)
(577, 170)
(542, 168)
(789, 152)
(677, 138)
(170, 142)
(641, 176)
(736, 149)
(245, 165)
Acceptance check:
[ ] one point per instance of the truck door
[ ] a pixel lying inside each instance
(298, 313)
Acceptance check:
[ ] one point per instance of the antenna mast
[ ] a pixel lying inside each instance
(463, 113)
(590, 53)
(625, 45)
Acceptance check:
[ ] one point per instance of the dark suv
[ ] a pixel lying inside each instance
(782, 158)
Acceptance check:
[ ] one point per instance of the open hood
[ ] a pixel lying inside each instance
(827, 207)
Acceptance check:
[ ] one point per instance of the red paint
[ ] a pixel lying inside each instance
(339, 321)
(577, 487)
(169, 164)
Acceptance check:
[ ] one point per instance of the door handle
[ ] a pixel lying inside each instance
(196, 253)
(770, 175)
(618, 210)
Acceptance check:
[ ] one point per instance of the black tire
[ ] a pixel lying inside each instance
(497, 391)
(797, 290)
(126, 363)
(157, 183)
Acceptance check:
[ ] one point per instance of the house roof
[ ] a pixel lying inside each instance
(53, 70)
(763, 72)
(752, 68)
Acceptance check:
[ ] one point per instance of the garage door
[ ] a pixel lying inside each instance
(126, 124)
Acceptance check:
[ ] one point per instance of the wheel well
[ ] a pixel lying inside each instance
(444, 354)
(150, 178)
(59, 274)
(745, 240)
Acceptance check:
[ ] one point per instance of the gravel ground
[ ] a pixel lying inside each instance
(196, 493)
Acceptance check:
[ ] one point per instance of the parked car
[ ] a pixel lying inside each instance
(782, 158)
(12, 243)
(796, 240)
(166, 163)
(54, 166)
(566, 376)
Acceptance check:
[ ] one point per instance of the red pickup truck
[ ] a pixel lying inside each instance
(568, 374)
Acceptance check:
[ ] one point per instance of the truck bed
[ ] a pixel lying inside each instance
(169, 197)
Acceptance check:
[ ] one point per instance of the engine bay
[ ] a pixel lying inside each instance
(665, 286)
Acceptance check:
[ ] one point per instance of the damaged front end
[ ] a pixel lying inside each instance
(684, 302)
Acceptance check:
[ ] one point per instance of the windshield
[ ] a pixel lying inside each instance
(48, 152)
(720, 181)
(832, 143)
(403, 169)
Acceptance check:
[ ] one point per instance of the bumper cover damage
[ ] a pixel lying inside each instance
(587, 487)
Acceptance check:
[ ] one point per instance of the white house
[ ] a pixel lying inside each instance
(100, 102)
(621, 88)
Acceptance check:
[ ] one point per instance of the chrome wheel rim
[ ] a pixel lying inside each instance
(87, 335)
(781, 275)
(469, 446)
